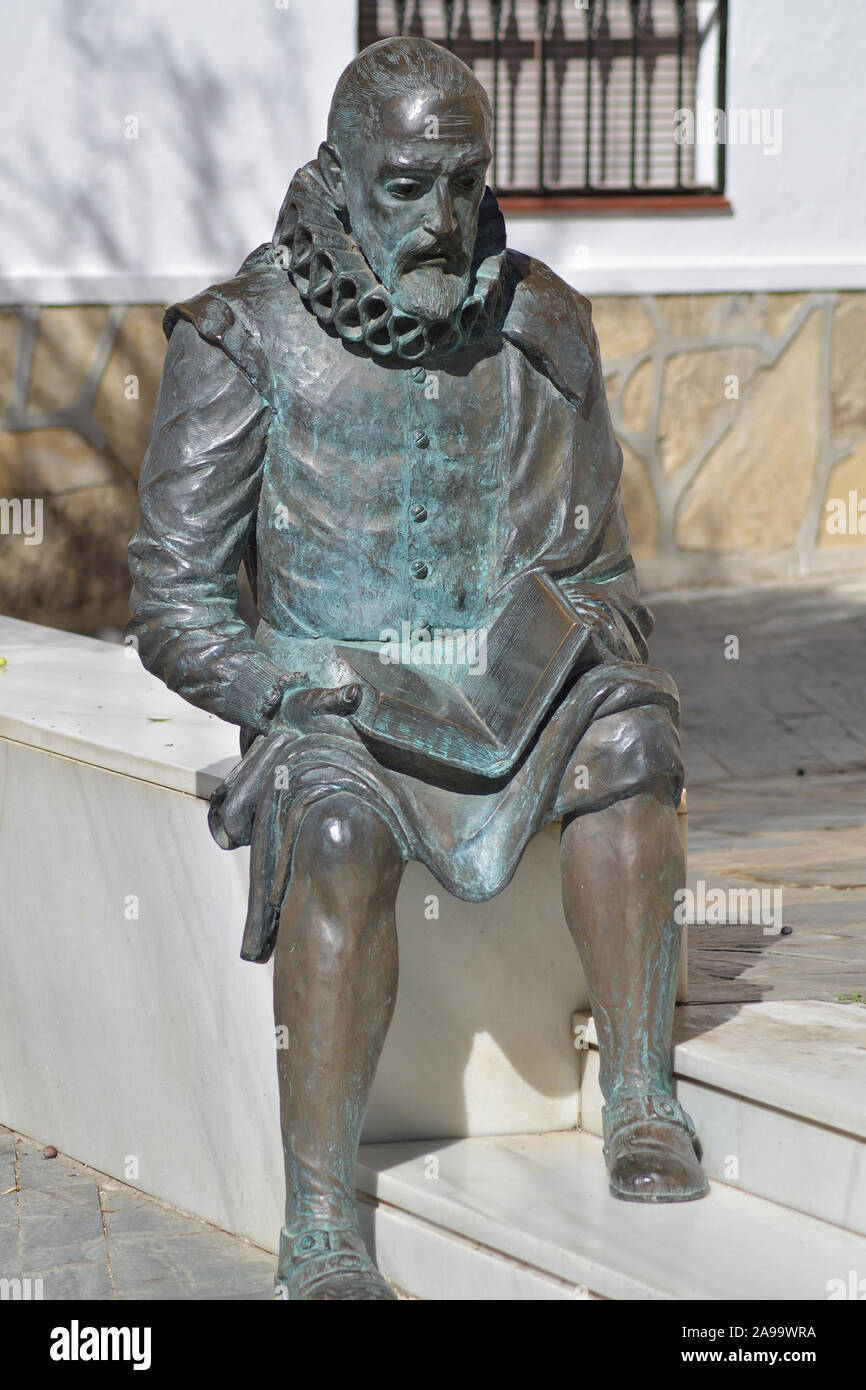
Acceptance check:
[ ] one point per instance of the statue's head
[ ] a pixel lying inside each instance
(405, 160)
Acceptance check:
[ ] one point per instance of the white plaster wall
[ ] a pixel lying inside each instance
(231, 95)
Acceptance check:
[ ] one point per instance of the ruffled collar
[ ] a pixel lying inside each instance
(333, 278)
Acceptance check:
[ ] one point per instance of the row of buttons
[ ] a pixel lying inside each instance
(418, 511)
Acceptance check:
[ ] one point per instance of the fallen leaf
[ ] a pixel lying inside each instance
(8, 1190)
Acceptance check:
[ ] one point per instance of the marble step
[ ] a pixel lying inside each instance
(777, 1091)
(529, 1217)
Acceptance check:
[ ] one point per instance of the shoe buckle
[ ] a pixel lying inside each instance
(663, 1108)
(310, 1243)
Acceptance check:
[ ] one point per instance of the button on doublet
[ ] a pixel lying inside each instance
(418, 512)
(421, 438)
(419, 569)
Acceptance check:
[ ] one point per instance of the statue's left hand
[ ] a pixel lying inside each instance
(299, 707)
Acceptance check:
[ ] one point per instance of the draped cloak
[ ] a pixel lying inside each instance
(364, 492)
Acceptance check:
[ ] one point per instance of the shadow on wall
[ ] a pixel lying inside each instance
(78, 384)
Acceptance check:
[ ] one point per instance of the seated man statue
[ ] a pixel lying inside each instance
(396, 422)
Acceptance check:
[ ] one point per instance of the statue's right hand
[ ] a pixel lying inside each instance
(300, 707)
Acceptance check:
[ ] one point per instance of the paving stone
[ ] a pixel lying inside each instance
(62, 1236)
(86, 1280)
(263, 1296)
(801, 654)
(38, 1190)
(842, 912)
(194, 1265)
(10, 1264)
(829, 738)
(134, 1214)
(8, 1179)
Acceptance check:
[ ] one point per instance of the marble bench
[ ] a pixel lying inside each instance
(134, 1038)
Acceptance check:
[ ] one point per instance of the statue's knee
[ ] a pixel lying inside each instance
(346, 874)
(332, 829)
(347, 848)
(635, 750)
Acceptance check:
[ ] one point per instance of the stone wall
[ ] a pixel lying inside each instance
(77, 390)
(742, 418)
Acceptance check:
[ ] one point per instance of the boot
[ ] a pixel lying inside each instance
(650, 1150)
(328, 1263)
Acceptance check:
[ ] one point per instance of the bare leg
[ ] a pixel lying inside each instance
(620, 869)
(335, 985)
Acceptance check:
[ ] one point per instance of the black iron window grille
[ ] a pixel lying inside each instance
(585, 93)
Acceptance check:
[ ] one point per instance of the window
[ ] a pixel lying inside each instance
(585, 93)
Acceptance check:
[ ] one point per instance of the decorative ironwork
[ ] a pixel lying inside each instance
(584, 92)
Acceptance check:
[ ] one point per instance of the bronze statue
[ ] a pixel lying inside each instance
(400, 426)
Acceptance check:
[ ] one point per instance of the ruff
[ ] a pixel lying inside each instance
(333, 278)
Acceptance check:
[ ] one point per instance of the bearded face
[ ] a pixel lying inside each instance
(428, 276)
(412, 188)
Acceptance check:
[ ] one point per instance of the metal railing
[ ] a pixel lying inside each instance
(584, 92)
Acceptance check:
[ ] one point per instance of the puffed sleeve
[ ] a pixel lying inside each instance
(198, 496)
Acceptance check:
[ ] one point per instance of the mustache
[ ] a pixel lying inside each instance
(420, 247)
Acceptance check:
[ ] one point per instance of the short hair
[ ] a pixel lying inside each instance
(394, 66)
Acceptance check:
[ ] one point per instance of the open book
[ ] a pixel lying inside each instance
(483, 721)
